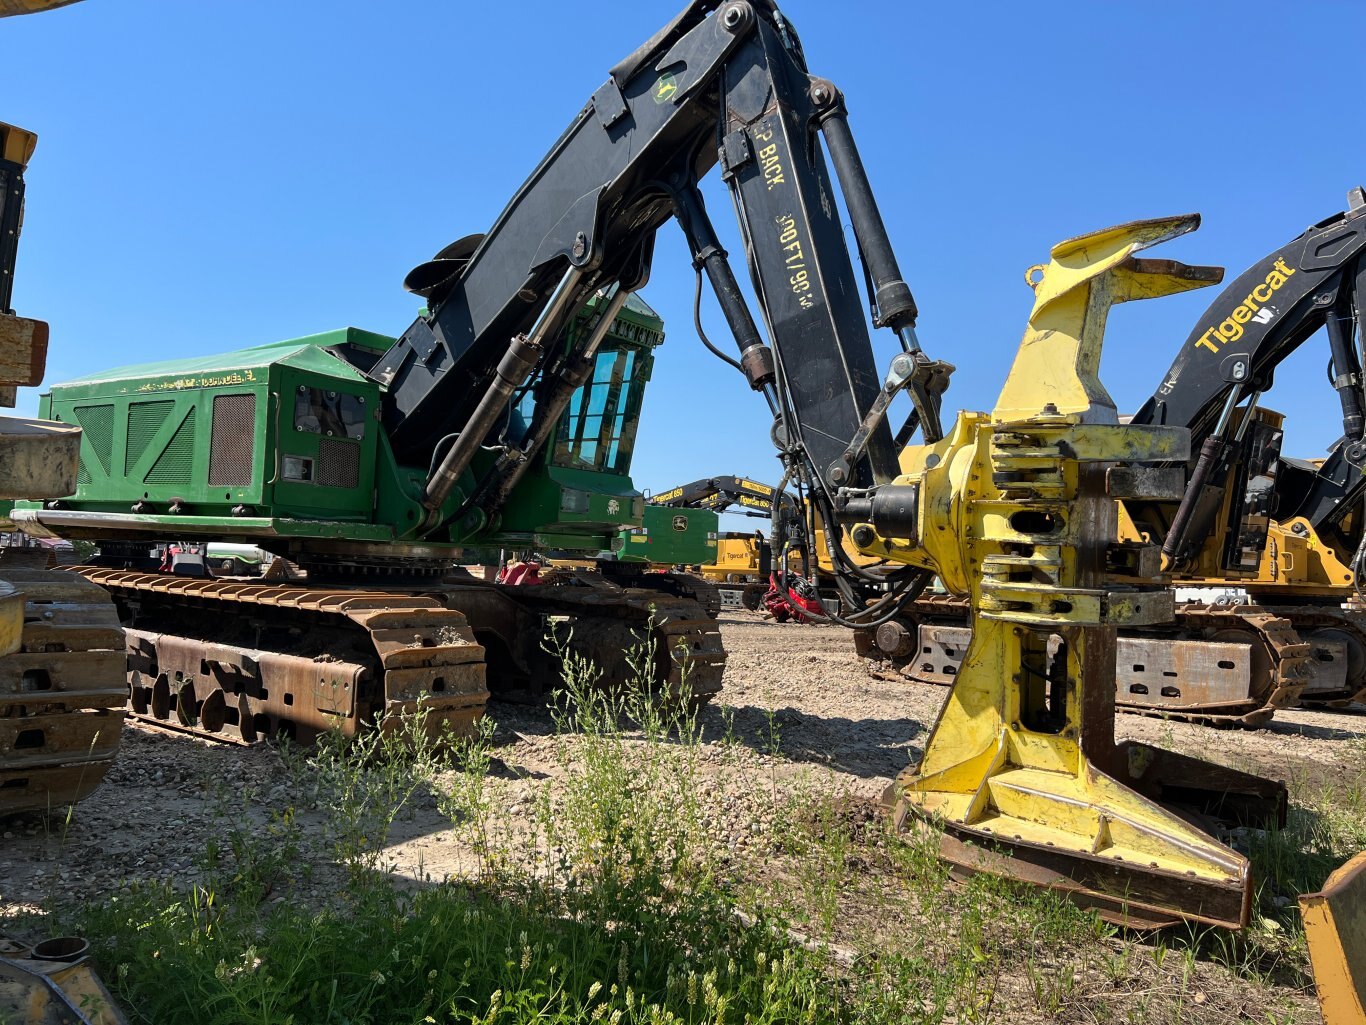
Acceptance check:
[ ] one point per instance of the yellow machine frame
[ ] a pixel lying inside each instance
(1022, 770)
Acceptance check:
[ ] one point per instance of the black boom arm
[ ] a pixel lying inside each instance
(1318, 280)
(720, 494)
(724, 82)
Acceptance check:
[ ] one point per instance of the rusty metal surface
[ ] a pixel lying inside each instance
(247, 661)
(1133, 899)
(1280, 661)
(941, 652)
(38, 458)
(242, 661)
(1221, 665)
(1180, 673)
(61, 693)
(1207, 790)
(1330, 664)
(1337, 625)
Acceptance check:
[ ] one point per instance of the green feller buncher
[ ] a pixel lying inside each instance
(502, 419)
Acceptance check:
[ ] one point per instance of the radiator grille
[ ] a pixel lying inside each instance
(144, 420)
(98, 424)
(338, 464)
(232, 452)
(174, 464)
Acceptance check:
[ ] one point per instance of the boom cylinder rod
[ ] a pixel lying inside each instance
(1246, 421)
(512, 468)
(512, 370)
(756, 358)
(895, 305)
(1235, 395)
(1214, 452)
(1346, 372)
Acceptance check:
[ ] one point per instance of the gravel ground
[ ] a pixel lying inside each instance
(799, 691)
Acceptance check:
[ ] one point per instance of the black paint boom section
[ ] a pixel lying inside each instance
(728, 75)
(1317, 279)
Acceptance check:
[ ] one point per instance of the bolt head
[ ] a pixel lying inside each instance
(864, 535)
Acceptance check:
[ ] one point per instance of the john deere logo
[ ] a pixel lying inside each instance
(680, 523)
(665, 87)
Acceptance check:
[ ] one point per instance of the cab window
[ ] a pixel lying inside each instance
(599, 427)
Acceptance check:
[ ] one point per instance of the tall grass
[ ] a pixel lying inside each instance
(613, 901)
(609, 912)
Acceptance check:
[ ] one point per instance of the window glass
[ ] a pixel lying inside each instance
(598, 429)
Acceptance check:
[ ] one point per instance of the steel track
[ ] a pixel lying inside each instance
(1279, 661)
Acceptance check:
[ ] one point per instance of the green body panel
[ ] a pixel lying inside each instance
(283, 443)
(672, 537)
(564, 500)
(210, 434)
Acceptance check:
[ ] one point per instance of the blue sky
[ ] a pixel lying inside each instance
(212, 175)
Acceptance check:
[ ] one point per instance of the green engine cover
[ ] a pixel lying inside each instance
(283, 443)
(672, 537)
(287, 427)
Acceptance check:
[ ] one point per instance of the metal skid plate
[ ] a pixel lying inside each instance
(941, 652)
(1156, 672)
